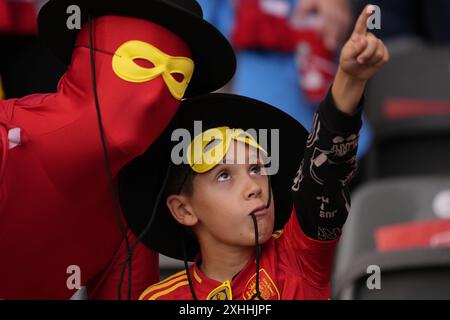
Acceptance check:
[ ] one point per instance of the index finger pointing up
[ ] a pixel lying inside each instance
(361, 24)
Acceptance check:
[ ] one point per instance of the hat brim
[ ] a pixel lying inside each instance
(141, 180)
(214, 58)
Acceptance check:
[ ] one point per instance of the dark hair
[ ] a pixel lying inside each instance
(181, 180)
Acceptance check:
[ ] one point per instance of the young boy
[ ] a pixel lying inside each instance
(220, 211)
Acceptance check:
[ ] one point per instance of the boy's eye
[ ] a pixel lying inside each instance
(256, 169)
(223, 176)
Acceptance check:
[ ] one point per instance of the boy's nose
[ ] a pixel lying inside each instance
(253, 189)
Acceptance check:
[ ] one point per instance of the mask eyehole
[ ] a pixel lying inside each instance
(178, 77)
(144, 63)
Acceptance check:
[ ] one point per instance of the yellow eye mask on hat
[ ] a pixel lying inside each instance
(209, 148)
(165, 65)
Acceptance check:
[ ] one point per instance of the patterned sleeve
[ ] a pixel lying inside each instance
(320, 189)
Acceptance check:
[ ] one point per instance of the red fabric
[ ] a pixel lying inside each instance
(258, 29)
(145, 270)
(55, 206)
(397, 108)
(18, 17)
(315, 63)
(292, 267)
(5, 16)
(424, 234)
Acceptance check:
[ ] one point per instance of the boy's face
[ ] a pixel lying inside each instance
(224, 197)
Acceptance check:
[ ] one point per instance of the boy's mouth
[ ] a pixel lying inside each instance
(260, 211)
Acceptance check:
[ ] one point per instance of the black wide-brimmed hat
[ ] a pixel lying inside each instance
(142, 179)
(214, 58)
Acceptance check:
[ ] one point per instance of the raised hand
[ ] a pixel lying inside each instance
(361, 57)
(363, 54)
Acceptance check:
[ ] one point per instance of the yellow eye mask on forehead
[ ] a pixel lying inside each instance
(209, 148)
(125, 68)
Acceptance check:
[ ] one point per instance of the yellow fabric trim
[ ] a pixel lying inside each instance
(161, 285)
(162, 293)
(201, 159)
(196, 276)
(125, 68)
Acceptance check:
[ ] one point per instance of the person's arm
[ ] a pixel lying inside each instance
(320, 189)
(322, 196)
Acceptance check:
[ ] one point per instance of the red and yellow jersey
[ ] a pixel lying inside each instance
(292, 267)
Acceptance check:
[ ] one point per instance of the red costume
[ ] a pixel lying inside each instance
(17, 17)
(54, 193)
